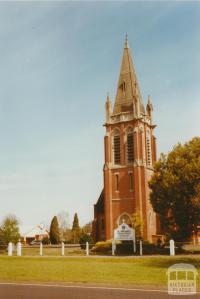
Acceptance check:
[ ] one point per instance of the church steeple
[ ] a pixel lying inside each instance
(128, 97)
(129, 155)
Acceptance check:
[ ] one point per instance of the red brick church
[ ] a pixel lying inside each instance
(130, 151)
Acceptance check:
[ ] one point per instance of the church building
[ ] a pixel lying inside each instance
(130, 151)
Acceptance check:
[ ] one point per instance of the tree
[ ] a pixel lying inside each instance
(137, 224)
(175, 190)
(86, 234)
(87, 228)
(75, 224)
(9, 230)
(84, 237)
(63, 221)
(67, 236)
(54, 231)
(75, 233)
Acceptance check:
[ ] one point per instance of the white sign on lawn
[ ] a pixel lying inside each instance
(124, 233)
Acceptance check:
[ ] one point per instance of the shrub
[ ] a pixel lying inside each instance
(104, 247)
(124, 248)
(85, 238)
(45, 241)
(149, 249)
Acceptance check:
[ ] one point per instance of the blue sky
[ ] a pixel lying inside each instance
(58, 60)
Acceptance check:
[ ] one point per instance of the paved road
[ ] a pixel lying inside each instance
(31, 291)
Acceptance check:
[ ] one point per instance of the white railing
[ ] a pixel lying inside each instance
(142, 248)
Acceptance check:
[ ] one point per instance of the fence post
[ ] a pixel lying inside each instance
(63, 249)
(113, 247)
(19, 249)
(141, 253)
(10, 249)
(134, 241)
(87, 249)
(172, 247)
(41, 249)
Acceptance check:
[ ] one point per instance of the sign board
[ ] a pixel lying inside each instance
(124, 233)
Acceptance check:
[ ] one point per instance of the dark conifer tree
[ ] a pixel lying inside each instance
(54, 231)
(75, 229)
(75, 225)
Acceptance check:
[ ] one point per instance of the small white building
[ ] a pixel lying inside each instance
(38, 233)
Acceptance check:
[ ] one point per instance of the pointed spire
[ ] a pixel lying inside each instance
(149, 108)
(108, 107)
(149, 103)
(108, 97)
(128, 97)
(149, 100)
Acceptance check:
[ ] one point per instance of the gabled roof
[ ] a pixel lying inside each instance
(37, 230)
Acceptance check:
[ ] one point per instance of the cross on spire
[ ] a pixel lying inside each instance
(126, 41)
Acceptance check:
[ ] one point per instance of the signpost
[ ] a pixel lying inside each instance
(125, 233)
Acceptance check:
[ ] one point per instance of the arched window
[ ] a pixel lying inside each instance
(149, 154)
(116, 182)
(123, 86)
(116, 146)
(124, 218)
(130, 145)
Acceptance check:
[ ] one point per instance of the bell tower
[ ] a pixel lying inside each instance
(130, 151)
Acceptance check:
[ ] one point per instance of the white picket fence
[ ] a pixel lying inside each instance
(18, 249)
(61, 248)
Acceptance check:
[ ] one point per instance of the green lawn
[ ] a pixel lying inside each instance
(49, 251)
(109, 271)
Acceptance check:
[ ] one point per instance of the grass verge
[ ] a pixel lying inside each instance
(116, 271)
